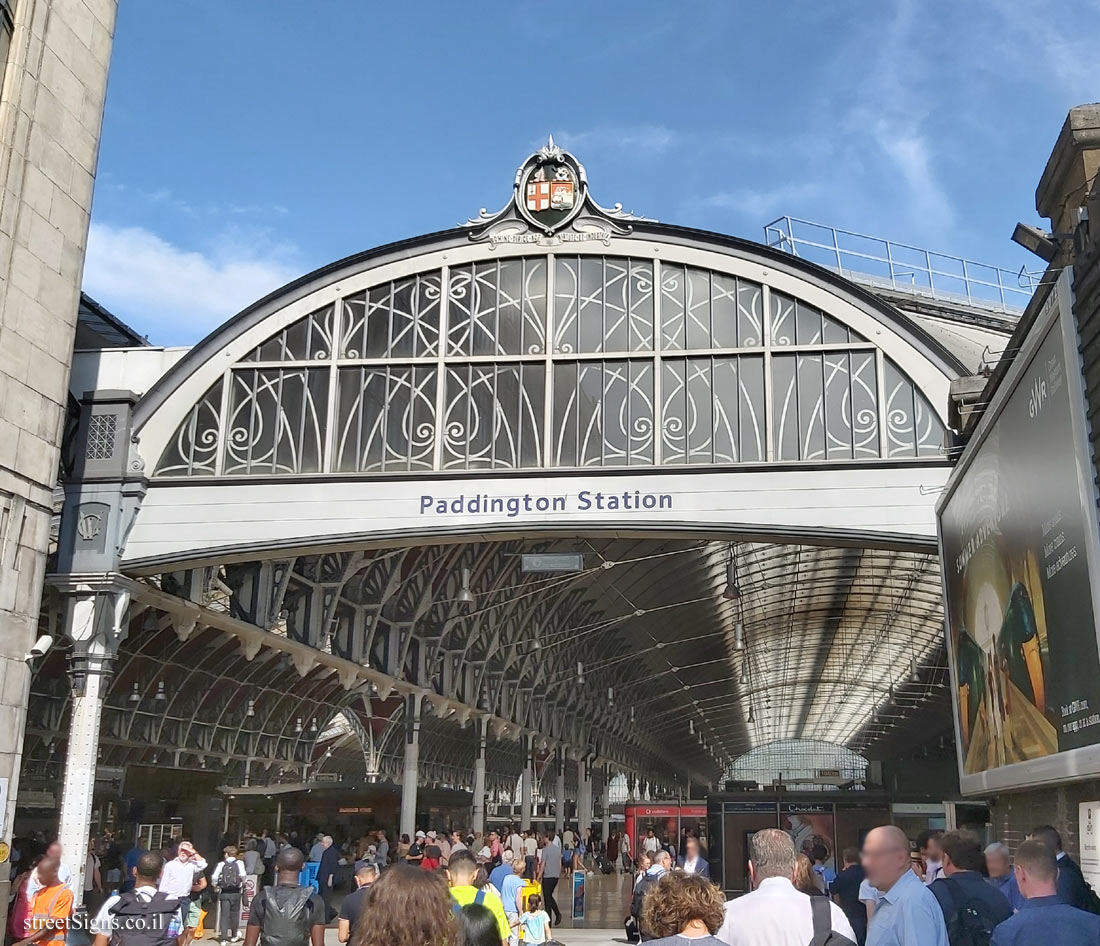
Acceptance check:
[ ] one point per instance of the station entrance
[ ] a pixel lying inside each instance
(557, 510)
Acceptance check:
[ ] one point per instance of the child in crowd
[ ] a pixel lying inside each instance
(534, 921)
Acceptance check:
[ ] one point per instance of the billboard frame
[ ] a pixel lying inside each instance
(1056, 311)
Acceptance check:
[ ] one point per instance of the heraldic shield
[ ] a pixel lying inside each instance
(550, 188)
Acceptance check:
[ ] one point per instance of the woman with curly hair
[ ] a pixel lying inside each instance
(407, 907)
(683, 910)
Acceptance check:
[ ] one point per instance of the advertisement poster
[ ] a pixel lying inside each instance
(578, 895)
(1089, 839)
(809, 825)
(1015, 538)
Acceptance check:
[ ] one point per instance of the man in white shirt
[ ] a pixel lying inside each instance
(64, 872)
(515, 842)
(775, 913)
(177, 879)
(650, 844)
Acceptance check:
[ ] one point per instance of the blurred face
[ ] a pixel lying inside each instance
(998, 864)
(885, 860)
(932, 851)
(54, 850)
(692, 848)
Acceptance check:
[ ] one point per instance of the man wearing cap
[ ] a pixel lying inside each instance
(176, 881)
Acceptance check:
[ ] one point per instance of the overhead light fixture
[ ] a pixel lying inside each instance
(733, 589)
(251, 711)
(313, 724)
(298, 724)
(135, 696)
(752, 716)
(154, 759)
(580, 672)
(610, 696)
(739, 636)
(691, 726)
(632, 714)
(702, 741)
(465, 595)
(1042, 244)
(744, 671)
(914, 671)
(161, 695)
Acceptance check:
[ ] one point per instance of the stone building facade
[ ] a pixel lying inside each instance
(55, 56)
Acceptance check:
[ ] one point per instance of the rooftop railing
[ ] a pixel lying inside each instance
(910, 269)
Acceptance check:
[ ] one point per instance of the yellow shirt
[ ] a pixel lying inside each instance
(465, 895)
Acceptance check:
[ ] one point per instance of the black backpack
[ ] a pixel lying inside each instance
(972, 922)
(229, 880)
(146, 922)
(287, 916)
(824, 935)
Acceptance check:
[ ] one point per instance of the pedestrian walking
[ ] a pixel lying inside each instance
(228, 880)
(286, 914)
(908, 913)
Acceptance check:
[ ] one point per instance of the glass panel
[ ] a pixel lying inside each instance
(494, 416)
(602, 304)
(713, 410)
(851, 405)
(913, 429)
(276, 420)
(193, 450)
(799, 386)
(397, 319)
(308, 339)
(782, 317)
(385, 418)
(498, 308)
(603, 413)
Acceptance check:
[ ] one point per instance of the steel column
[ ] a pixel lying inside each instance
(559, 792)
(478, 819)
(584, 795)
(527, 783)
(605, 806)
(90, 668)
(410, 777)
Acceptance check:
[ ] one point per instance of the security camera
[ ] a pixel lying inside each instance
(40, 647)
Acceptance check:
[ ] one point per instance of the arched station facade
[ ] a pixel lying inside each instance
(556, 499)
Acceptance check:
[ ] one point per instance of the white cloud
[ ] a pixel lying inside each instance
(760, 202)
(640, 139)
(177, 295)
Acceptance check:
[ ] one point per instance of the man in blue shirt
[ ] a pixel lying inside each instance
(1045, 919)
(998, 861)
(502, 871)
(1071, 882)
(908, 913)
(962, 886)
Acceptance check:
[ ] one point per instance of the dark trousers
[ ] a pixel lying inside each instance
(551, 905)
(529, 867)
(229, 914)
(326, 896)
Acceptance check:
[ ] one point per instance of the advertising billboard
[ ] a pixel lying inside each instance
(1018, 546)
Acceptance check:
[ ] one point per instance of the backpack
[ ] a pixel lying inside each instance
(824, 934)
(479, 899)
(156, 913)
(229, 881)
(287, 916)
(972, 923)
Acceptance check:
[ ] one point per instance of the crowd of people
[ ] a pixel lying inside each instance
(499, 889)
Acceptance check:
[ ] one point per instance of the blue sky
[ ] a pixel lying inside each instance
(248, 141)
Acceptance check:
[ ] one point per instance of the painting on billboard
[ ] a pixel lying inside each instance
(1016, 544)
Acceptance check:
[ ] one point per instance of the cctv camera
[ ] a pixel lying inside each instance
(40, 647)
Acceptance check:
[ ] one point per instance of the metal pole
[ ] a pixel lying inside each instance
(279, 815)
(605, 805)
(90, 669)
(411, 766)
(225, 816)
(478, 819)
(559, 793)
(527, 784)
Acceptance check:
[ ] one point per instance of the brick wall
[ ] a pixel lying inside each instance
(1014, 814)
